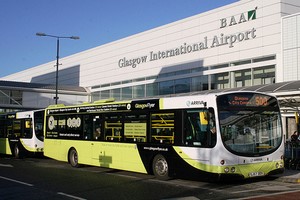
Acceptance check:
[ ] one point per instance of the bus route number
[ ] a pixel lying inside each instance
(261, 101)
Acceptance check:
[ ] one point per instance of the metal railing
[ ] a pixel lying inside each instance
(292, 155)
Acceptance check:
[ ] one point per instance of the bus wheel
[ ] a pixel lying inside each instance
(73, 158)
(16, 151)
(160, 167)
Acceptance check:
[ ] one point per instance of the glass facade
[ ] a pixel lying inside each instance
(4, 96)
(166, 87)
(264, 75)
(138, 91)
(116, 93)
(220, 81)
(126, 93)
(242, 78)
(199, 83)
(152, 89)
(191, 80)
(182, 85)
(10, 97)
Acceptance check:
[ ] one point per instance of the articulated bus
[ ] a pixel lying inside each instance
(236, 135)
(21, 133)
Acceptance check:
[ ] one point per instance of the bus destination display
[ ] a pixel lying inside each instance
(246, 100)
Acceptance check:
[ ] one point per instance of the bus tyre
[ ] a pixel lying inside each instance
(73, 158)
(160, 167)
(17, 151)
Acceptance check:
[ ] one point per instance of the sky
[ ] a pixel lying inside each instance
(96, 22)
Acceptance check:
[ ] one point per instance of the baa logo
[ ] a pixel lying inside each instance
(234, 20)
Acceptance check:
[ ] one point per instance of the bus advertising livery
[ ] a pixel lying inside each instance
(234, 134)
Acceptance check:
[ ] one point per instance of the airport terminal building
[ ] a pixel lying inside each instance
(244, 44)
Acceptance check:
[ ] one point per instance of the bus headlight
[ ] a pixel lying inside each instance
(232, 169)
(226, 170)
(279, 165)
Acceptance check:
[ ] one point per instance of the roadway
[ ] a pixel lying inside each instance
(40, 178)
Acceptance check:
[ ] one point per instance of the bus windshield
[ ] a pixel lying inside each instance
(249, 129)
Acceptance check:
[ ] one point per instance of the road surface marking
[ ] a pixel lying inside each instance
(71, 196)
(266, 195)
(16, 181)
(6, 165)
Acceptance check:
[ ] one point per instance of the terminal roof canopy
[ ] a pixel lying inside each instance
(274, 88)
(27, 86)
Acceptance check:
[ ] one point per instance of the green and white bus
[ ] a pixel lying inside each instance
(236, 134)
(21, 133)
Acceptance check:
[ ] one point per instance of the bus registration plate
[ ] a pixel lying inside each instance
(255, 174)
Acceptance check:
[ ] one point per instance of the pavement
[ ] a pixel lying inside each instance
(289, 176)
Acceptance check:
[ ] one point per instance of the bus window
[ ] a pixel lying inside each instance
(135, 127)
(38, 125)
(212, 134)
(87, 127)
(112, 128)
(200, 129)
(17, 128)
(27, 130)
(162, 127)
(2, 129)
(9, 128)
(97, 127)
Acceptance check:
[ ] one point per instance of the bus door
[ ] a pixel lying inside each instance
(97, 135)
(14, 133)
(109, 152)
(26, 134)
(200, 128)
